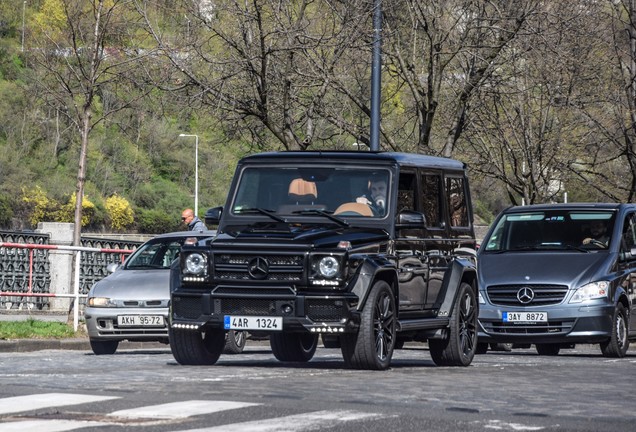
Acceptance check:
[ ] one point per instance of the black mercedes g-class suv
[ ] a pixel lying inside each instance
(367, 249)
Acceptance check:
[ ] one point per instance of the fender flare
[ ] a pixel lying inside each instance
(460, 270)
(369, 269)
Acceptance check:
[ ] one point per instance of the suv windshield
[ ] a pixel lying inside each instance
(311, 190)
(562, 229)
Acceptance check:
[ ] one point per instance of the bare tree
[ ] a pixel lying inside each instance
(264, 67)
(86, 52)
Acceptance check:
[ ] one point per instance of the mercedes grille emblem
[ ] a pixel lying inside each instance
(525, 295)
(258, 268)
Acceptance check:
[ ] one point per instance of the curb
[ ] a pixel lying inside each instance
(78, 344)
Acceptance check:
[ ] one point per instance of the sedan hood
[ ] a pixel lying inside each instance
(134, 285)
(573, 269)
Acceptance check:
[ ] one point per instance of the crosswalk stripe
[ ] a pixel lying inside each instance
(180, 409)
(293, 423)
(46, 400)
(47, 425)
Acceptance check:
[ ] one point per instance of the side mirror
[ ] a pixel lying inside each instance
(213, 216)
(410, 219)
(112, 267)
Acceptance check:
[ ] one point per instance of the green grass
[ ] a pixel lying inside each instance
(33, 329)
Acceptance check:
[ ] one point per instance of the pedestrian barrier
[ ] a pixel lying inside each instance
(37, 285)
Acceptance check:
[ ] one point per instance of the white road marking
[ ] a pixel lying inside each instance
(180, 409)
(294, 423)
(501, 425)
(46, 400)
(47, 425)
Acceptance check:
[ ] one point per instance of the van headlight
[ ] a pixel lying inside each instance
(591, 291)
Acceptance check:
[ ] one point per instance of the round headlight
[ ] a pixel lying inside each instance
(328, 267)
(195, 263)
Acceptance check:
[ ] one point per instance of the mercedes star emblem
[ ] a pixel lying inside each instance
(258, 268)
(525, 295)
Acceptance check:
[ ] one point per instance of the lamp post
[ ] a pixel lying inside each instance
(23, 13)
(196, 171)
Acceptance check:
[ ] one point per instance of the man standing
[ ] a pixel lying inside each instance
(192, 222)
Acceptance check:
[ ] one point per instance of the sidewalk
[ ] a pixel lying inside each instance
(80, 344)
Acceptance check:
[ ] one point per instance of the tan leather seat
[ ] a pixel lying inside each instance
(302, 191)
(353, 209)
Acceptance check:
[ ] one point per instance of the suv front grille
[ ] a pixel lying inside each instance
(186, 307)
(506, 295)
(274, 267)
(240, 306)
(325, 310)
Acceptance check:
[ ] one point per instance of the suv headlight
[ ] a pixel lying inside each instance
(325, 270)
(591, 291)
(101, 302)
(195, 264)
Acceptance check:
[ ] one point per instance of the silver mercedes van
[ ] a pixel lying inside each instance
(555, 275)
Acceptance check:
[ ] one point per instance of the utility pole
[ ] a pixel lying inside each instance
(376, 72)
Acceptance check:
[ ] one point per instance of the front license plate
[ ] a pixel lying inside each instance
(140, 321)
(233, 322)
(525, 317)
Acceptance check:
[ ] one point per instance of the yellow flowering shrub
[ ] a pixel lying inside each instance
(66, 212)
(119, 211)
(39, 204)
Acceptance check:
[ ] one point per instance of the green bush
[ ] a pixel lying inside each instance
(157, 222)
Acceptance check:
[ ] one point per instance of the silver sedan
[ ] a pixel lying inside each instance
(132, 302)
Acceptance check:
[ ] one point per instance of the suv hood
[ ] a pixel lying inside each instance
(304, 235)
(563, 268)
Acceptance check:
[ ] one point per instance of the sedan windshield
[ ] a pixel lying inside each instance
(582, 231)
(282, 192)
(155, 255)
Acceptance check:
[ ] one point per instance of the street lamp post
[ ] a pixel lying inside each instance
(23, 13)
(196, 171)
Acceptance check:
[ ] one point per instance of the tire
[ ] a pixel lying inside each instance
(618, 343)
(196, 348)
(458, 349)
(330, 341)
(234, 342)
(548, 349)
(104, 347)
(482, 348)
(293, 347)
(372, 347)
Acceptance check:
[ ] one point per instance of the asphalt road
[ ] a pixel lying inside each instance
(146, 390)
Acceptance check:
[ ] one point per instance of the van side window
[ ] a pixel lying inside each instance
(431, 204)
(456, 196)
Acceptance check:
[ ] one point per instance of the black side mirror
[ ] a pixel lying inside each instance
(213, 216)
(410, 219)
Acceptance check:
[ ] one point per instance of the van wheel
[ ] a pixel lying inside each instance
(458, 349)
(618, 343)
(548, 349)
(372, 346)
(104, 347)
(234, 342)
(195, 348)
(293, 347)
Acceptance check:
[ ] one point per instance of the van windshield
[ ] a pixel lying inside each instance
(279, 192)
(549, 230)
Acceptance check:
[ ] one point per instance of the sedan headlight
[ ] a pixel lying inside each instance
(591, 291)
(101, 302)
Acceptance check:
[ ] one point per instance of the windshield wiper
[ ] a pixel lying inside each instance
(323, 213)
(572, 247)
(265, 212)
